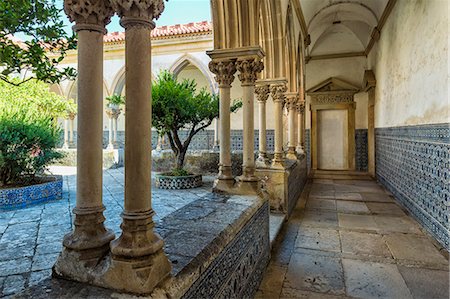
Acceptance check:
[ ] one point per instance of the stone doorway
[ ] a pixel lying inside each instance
(332, 140)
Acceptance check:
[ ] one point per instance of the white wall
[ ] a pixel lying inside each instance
(410, 62)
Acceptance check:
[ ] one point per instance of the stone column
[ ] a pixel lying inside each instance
(291, 101)
(66, 134)
(138, 253)
(262, 94)
(216, 134)
(301, 127)
(89, 241)
(116, 117)
(277, 91)
(249, 69)
(224, 71)
(111, 129)
(71, 132)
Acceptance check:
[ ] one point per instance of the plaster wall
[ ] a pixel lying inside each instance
(350, 69)
(411, 66)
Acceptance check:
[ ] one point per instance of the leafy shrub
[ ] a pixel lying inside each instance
(29, 131)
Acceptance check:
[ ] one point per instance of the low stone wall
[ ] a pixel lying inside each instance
(282, 187)
(111, 158)
(221, 244)
(21, 197)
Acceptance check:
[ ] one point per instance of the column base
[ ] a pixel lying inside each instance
(65, 145)
(247, 187)
(225, 173)
(110, 146)
(262, 161)
(137, 276)
(291, 154)
(224, 185)
(278, 161)
(89, 233)
(138, 238)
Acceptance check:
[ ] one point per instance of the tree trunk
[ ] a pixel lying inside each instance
(180, 158)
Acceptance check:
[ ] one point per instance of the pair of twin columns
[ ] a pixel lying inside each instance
(134, 262)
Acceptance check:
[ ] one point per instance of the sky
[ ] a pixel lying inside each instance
(175, 12)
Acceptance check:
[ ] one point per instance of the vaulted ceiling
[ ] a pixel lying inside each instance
(340, 26)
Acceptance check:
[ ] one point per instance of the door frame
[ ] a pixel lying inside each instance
(350, 108)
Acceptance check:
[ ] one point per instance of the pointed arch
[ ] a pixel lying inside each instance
(187, 59)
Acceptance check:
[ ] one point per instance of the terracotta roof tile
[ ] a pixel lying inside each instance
(166, 31)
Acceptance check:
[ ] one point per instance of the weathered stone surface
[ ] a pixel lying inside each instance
(320, 219)
(376, 197)
(321, 204)
(362, 244)
(374, 280)
(315, 273)
(414, 248)
(357, 222)
(426, 283)
(394, 224)
(344, 206)
(385, 209)
(319, 239)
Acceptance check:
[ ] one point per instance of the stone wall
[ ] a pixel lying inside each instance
(413, 163)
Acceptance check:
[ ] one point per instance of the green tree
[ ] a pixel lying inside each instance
(177, 106)
(29, 131)
(45, 42)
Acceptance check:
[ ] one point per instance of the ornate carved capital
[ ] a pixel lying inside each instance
(262, 92)
(89, 14)
(249, 69)
(300, 107)
(138, 12)
(291, 101)
(71, 115)
(113, 112)
(277, 91)
(224, 71)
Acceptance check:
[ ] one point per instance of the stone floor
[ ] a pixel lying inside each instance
(31, 238)
(348, 238)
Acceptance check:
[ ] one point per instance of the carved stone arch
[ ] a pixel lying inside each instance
(56, 88)
(187, 59)
(73, 85)
(266, 39)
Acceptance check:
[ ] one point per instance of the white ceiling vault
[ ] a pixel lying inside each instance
(340, 26)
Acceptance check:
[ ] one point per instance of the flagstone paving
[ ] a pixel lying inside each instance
(350, 239)
(31, 238)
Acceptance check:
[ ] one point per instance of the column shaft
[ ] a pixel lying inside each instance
(115, 131)
(277, 91)
(262, 92)
(66, 134)
(110, 134)
(225, 134)
(248, 154)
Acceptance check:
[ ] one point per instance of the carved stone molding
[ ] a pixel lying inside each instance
(300, 106)
(138, 12)
(332, 98)
(249, 69)
(89, 14)
(262, 92)
(113, 112)
(277, 91)
(224, 71)
(291, 101)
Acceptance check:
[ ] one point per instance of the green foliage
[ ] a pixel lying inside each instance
(45, 42)
(116, 99)
(29, 132)
(178, 172)
(177, 105)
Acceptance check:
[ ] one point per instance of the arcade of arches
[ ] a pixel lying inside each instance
(332, 91)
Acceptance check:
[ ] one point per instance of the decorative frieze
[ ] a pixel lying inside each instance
(332, 98)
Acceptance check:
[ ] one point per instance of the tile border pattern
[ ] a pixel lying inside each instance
(239, 269)
(413, 163)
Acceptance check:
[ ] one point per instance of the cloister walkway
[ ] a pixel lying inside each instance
(348, 238)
